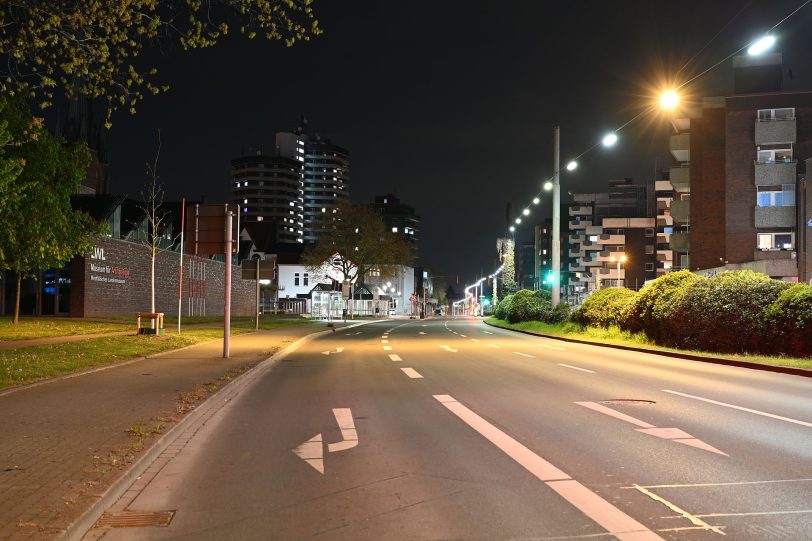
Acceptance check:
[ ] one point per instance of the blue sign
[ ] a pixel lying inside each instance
(809, 223)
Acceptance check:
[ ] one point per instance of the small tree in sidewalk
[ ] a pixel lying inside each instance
(156, 218)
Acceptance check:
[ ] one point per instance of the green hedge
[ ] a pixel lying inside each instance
(528, 306)
(789, 321)
(605, 307)
(651, 310)
(502, 308)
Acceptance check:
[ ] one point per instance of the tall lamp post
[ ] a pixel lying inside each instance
(621, 259)
(555, 289)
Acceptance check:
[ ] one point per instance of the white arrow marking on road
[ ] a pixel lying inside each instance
(338, 350)
(674, 434)
(348, 433)
(312, 452)
(452, 350)
(412, 373)
(395, 357)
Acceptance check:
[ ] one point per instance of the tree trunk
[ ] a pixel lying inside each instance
(152, 285)
(17, 301)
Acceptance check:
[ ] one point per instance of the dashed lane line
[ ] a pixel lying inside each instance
(576, 368)
(523, 354)
(394, 357)
(741, 408)
(412, 373)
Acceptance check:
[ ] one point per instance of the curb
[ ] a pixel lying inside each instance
(803, 372)
(83, 524)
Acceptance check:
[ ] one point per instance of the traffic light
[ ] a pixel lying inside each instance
(550, 277)
(486, 302)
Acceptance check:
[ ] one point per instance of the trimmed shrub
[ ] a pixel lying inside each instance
(560, 313)
(725, 313)
(649, 312)
(789, 321)
(605, 307)
(528, 306)
(502, 308)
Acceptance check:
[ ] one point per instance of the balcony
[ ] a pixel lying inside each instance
(612, 239)
(681, 179)
(680, 242)
(681, 210)
(775, 131)
(580, 225)
(665, 220)
(680, 146)
(580, 211)
(775, 216)
(769, 173)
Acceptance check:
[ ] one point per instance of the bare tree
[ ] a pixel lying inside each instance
(155, 216)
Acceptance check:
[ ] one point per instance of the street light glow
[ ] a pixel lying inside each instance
(526, 212)
(669, 100)
(609, 139)
(761, 45)
(536, 200)
(512, 228)
(548, 185)
(518, 221)
(572, 166)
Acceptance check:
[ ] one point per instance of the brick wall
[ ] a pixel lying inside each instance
(707, 237)
(119, 284)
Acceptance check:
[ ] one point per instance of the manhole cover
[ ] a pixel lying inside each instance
(135, 519)
(626, 402)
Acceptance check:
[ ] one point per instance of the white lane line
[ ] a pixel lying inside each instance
(523, 354)
(741, 408)
(348, 433)
(448, 348)
(600, 408)
(385, 336)
(695, 520)
(384, 341)
(487, 332)
(387, 348)
(474, 340)
(552, 347)
(601, 511)
(463, 336)
(576, 368)
(394, 357)
(421, 332)
(493, 346)
(412, 373)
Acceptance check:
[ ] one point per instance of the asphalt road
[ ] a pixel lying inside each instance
(456, 430)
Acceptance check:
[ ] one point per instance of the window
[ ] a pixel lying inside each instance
(776, 241)
(593, 238)
(394, 230)
(649, 231)
(296, 279)
(306, 279)
(779, 195)
(775, 155)
(683, 261)
(768, 115)
(649, 266)
(668, 230)
(649, 248)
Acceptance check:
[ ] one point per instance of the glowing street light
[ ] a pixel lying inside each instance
(669, 100)
(609, 139)
(518, 221)
(572, 166)
(536, 200)
(548, 185)
(512, 228)
(526, 212)
(761, 45)
(621, 259)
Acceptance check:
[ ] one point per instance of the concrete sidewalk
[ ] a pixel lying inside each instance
(63, 444)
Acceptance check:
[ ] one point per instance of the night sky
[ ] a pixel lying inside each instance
(450, 104)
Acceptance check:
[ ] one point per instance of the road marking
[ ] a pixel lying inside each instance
(338, 350)
(348, 433)
(601, 511)
(552, 347)
(733, 483)
(493, 346)
(748, 410)
(385, 336)
(447, 348)
(463, 336)
(576, 368)
(421, 332)
(756, 513)
(695, 520)
(384, 341)
(412, 373)
(487, 332)
(674, 434)
(395, 357)
(387, 348)
(523, 354)
(474, 340)
(312, 452)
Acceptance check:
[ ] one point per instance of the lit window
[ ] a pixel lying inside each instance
(780, 195)
(245, 201)
(775, 155)
(776, 241)
(259, 218)
(394, 230)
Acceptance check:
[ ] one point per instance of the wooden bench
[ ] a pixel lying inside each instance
(156, 328)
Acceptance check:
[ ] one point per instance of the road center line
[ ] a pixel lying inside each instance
(463, 336)
(741, 408)
(394, 357)
(387, 348)
(604, 513)
(493, 346)
(412, 373)
(576, 368)
(523, 354)
(384, 341)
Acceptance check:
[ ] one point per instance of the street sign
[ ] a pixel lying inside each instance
(266, 269)
(205, 229)
(809, 223)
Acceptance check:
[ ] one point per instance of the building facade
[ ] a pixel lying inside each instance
(398, 218)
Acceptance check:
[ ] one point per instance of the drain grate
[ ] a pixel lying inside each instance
(626, 402)
(135, 519)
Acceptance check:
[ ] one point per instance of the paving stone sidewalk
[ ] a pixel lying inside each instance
(64, 443)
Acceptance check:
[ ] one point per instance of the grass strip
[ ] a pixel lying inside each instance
(46, 327)
(615, 336)
(27, 365)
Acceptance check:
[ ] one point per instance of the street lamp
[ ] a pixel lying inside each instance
(669, 100)
(526, 212)
(621, 259)
(609, 139)
(761, 45)
(572, 166)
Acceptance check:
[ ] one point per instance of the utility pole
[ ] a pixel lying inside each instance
(556, 247)
(227, 287)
